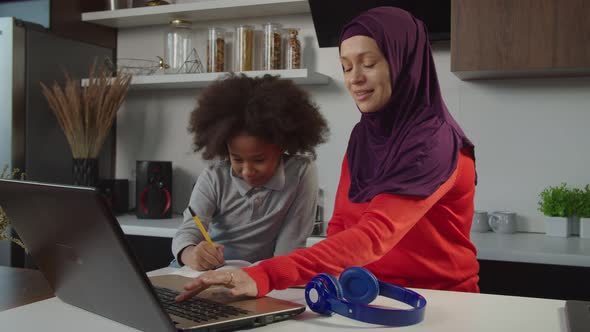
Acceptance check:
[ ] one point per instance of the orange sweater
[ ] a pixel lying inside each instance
(404, 240)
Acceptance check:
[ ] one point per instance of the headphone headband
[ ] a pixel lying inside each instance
(349, 296)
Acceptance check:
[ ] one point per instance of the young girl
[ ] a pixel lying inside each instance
(259, 199)
(405, 201)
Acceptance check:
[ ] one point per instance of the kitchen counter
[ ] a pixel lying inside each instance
(149, 227)
(526, 248)
(520, 247)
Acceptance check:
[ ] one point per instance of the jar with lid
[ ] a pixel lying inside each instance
(244, 48)
(216, 50)
(293, 52)
(178, 46)
(272, 46)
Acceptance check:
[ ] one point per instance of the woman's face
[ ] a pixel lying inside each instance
(252, 159)
(366, 73)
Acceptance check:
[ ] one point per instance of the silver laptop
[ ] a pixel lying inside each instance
(79, 247)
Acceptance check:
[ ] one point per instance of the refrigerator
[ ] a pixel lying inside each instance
(30, 137)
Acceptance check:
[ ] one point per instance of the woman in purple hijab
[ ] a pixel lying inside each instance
(404, 204)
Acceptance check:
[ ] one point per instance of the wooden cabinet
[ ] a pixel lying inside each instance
(520, 38)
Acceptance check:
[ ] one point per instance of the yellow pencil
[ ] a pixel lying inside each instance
(201, 228)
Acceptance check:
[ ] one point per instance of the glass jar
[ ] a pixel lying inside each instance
(216, 50)
(293, 56)
(244, 48)
(178, 46)
(272, 46)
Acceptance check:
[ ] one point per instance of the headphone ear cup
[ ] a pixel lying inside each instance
(359, 285)
(319, 289)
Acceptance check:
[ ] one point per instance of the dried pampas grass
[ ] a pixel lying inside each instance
(87, 113)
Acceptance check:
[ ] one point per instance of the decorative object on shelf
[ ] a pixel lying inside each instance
(178, 45)
(156, 3)
(118, 4)
(558, 204)
(192, 64)
(244, 48)
(4, 221)
(273, 46)
(293, 53)
(216, 50)
(86, 115)
(134, 66)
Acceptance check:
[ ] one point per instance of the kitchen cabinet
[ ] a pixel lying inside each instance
(534, 280)
(65, 21)
(520, 38)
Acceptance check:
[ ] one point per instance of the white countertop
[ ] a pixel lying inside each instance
(520, 247)
(526, 248)
(445, 312)
(149, 227)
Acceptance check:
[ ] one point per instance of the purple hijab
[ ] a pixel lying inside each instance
(411, 146)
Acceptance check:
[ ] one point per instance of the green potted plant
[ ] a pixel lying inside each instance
(584, 211)
(558, 204)
(4, 221)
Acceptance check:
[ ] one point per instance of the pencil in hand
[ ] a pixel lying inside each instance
(200, 226)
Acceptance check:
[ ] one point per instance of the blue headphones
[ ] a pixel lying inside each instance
(356, 288)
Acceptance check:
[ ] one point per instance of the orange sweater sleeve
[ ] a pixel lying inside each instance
(336, 223)
(381, 226)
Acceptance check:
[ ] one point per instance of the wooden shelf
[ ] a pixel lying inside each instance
(187, 81)
(205, 10)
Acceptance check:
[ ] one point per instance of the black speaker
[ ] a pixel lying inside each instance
(116, 192)
(153, 191)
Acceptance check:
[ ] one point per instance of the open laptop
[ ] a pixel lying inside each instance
(79, 247)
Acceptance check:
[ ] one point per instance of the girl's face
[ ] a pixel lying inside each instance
(252, 159)
(366, 73)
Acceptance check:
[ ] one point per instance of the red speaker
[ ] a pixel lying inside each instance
(153, 191)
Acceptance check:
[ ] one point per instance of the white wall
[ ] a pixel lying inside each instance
(528, 133)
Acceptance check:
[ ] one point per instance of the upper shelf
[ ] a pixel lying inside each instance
(184, 81)
(205, 10)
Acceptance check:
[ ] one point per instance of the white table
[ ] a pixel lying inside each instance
(445, 312)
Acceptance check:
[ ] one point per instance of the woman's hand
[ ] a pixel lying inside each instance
(238, 280)
(203, 256)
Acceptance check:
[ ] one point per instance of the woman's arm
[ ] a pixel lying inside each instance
(383, 224)
(335, 224)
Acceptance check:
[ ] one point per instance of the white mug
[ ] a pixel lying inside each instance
(503, 222)
(480, 222)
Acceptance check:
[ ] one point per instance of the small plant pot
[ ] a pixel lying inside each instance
(558, 226)
(575, 226)
(585, 228)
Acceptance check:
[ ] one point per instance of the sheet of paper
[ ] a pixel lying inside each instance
(186, 271)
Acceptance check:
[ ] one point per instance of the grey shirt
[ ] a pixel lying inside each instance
(253, 223)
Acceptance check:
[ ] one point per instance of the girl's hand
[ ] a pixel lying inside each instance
(238, 280)
(203, 257)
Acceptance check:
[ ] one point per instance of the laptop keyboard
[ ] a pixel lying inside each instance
(196, 309)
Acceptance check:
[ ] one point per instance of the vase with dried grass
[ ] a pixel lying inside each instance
(86, 114)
